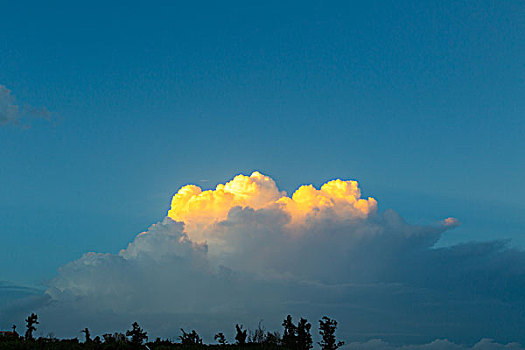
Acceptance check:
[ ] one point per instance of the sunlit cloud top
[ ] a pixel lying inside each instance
(198, 208)
(246, 250)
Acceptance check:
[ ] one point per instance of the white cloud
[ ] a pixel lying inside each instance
(372, 271)
(438, 344)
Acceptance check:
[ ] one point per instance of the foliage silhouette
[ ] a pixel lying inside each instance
(137, 334)
(327, 328)
(220, 338)
(114, 339)
(297, 338)
(259, 335)
(191, 338)
(273, 339)
(304, 338)
(30, 325)
(289, 333)
(86, 334)
(240, 337)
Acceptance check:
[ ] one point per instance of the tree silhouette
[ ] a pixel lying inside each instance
(240, 337)
(191, 338)
(137, 334)
(327, 328)
(289, 335)
(297, 337)
(87, 334)
(304, 338)
(220, 338)
(30, 325)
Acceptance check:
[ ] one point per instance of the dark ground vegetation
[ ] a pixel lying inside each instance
(294, 337)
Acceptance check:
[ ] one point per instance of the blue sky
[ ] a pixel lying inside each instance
(411, 99)
(422, 102)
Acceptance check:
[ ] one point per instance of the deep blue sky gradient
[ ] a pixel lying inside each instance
(423, 102)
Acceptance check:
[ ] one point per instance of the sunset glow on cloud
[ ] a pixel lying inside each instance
(337, 197)
(246, 248)
(198, 208)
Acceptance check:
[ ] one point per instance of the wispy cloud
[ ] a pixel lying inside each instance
(12, 113)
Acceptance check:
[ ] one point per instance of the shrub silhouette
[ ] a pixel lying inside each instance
(97, 340)
(273, 339)
(240, 337)
(191, 338)
(220, 338)
(115, 339)
(259, 335)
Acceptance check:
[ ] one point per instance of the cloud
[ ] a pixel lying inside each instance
(337, 199)
(12, 114)
(439, 344)
(15, 300)
(10, 292)
(246, 251)
(451, 222)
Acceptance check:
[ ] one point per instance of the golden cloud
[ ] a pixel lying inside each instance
(198, 208)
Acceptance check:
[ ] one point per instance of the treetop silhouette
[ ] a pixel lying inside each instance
(295, 337)
(30, 325)
(327, 328)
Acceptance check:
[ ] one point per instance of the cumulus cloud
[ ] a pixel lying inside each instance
(247, 251)
(11, 113)
(335, 200)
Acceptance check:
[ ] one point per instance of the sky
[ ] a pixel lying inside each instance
(107, 110)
